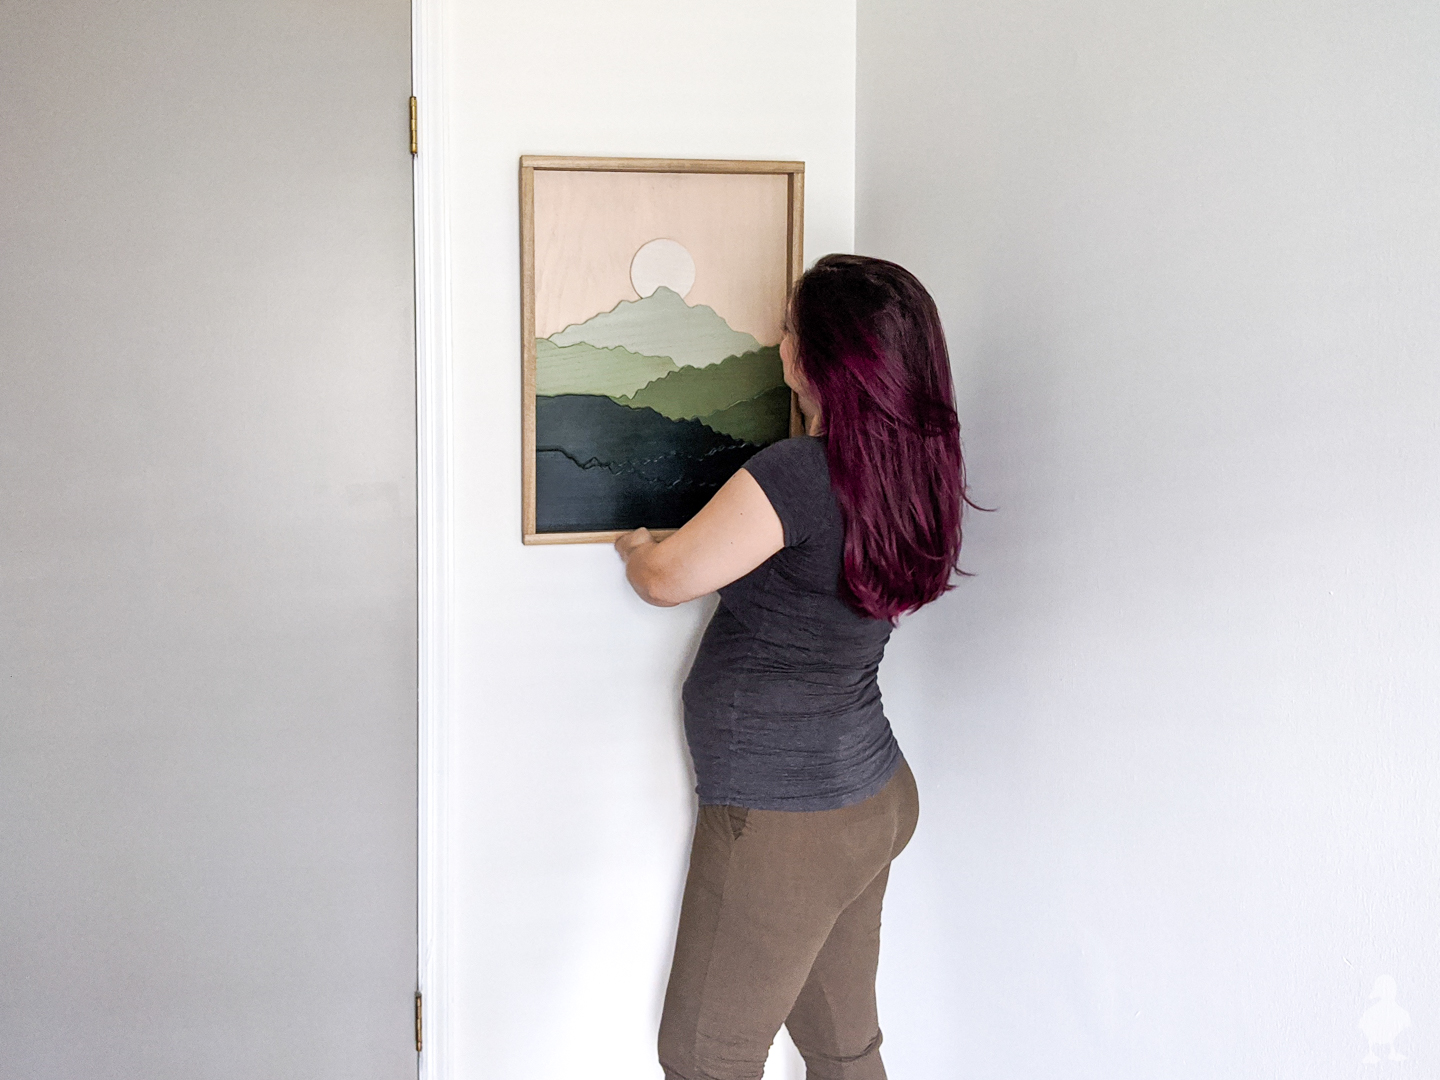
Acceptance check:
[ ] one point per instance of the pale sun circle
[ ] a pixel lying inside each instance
(662, 262)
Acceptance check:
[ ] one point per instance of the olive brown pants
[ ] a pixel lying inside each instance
(780, 923)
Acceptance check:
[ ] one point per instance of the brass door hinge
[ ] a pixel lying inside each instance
(414, 126)
(419, 1042)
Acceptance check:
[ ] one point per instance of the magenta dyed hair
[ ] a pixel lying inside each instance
(869, 342)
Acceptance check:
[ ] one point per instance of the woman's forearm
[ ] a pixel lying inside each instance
(732, 534)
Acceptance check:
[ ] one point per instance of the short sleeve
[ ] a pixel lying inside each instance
(795, 476)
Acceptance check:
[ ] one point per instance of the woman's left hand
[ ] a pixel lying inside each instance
(626, 543)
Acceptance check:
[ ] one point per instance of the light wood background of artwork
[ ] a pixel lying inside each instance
(588, 226)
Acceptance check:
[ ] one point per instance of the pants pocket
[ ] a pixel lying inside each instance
(737, 816)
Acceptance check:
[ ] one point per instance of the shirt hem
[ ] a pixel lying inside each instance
(812, 803)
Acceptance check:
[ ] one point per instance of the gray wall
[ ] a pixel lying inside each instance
(1177, 740)
(207, 647)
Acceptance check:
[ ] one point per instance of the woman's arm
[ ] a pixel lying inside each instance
(733, 533)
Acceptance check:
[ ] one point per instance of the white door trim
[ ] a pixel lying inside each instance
(433, 468)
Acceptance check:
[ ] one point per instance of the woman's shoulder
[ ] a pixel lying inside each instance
(794, 450)
(795, 476)
(797, 461)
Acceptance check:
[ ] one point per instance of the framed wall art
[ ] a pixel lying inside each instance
(653, 295)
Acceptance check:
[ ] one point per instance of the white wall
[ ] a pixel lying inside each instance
(571, 791)
(1176, 743)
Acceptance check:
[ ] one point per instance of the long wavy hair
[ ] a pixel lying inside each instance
(868, 341)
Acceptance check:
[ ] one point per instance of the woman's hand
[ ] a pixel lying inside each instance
(635, 548)
(626, 543)
(733, 533)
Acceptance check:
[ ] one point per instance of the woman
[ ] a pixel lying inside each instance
(817, 545)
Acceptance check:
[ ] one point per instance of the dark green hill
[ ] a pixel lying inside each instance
(700, 391)
(762, 420)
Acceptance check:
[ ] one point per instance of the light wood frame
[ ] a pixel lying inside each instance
(529, 164)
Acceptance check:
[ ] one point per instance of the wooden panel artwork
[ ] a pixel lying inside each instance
(653, 299)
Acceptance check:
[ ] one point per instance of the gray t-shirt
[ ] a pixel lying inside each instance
(782, 706)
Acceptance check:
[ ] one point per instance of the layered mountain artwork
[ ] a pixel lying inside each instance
(658, 301)
(643, 411)
(653, 316)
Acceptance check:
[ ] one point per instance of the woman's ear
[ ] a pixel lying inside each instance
(787, 359)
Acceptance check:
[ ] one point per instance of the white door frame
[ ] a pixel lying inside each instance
(433, 466)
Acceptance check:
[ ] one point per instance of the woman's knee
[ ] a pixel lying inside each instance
(828, 1065)
(685, 1057)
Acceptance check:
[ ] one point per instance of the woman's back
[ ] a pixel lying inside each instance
(782, 704)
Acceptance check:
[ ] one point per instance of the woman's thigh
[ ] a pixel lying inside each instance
(763, 893)
(834, 1022)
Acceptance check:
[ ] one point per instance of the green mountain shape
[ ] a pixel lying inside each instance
(762, 420)
(661, 324)
(698, 391)
(584, 369)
